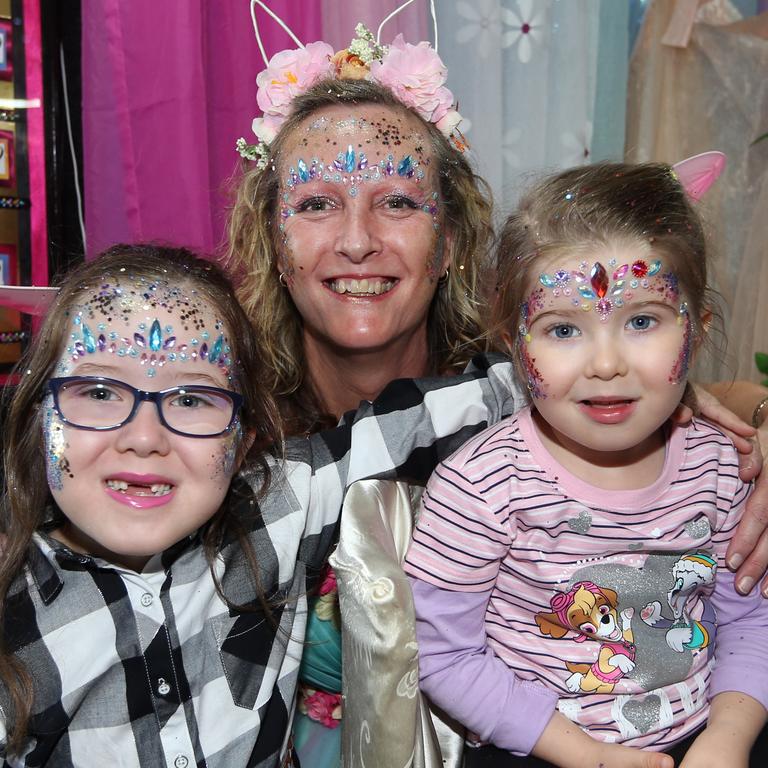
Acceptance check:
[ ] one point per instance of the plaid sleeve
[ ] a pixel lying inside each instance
(404, 434)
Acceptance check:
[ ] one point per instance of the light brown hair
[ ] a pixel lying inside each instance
(454, 323)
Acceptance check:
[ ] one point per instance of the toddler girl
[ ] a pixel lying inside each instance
(571, 557)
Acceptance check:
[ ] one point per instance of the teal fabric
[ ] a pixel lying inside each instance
(321, 663)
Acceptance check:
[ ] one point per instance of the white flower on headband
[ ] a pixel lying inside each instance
(414, 73)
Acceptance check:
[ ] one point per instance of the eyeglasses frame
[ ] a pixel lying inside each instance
(142, 395)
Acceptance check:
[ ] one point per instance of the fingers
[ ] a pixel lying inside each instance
(682, 415)
(748, 551)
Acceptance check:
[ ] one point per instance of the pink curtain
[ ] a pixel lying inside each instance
(168, 87)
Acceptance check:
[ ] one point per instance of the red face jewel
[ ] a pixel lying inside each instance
(639, 269)
(599, 280)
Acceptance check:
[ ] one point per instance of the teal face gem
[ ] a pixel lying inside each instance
(155, 337)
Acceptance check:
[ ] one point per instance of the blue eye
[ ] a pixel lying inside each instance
(563, 331)
(641, 322)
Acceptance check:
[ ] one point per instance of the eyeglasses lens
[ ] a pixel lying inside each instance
(191, 410)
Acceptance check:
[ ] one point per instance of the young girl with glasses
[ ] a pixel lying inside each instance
(568, 564)
(158, 543)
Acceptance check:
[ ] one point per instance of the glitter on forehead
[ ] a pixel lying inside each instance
(153, 345)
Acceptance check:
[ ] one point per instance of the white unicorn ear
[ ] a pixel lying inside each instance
(271, 13)
(397, 10)
(698, 173)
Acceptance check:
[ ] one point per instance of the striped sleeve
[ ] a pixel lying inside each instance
(464, 529)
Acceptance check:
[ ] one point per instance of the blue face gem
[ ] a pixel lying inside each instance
(155, 337)
(303, 171)
(405, 166)
(349, 159)
(216, 349)
(88, 341)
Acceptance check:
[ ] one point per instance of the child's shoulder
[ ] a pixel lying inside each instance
(497, 440)
(702, 434)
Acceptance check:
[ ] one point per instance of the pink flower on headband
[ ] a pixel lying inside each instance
(415, 74)
(289, 74)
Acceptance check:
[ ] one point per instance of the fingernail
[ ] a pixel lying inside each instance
(745, 585)
(734, 561)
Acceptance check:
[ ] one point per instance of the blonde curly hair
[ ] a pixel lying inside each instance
(454, 326)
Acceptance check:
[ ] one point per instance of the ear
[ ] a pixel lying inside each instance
(548, 624)
(698, 173)
(448, 239)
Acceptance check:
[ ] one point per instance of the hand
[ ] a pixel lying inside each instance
(748, 548)
(564, 744)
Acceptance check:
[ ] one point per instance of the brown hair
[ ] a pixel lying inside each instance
(592, 206)
(27, 505)
(454, 324)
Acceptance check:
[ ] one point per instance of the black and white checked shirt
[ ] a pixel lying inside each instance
(153, 669)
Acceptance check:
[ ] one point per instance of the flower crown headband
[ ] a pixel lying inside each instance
(415, 74)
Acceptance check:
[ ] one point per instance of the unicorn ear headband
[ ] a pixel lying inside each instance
(698, 173)
(414, 73)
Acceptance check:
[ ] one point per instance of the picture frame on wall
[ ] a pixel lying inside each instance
(7, 159)
(6, 50)
(7, 264)
(11, 325)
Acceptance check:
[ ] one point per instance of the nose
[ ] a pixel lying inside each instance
(144, 434)
(608, 358)
(357, 239)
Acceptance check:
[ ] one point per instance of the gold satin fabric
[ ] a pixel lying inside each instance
(387, 721)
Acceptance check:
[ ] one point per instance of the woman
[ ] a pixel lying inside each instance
(354, 277)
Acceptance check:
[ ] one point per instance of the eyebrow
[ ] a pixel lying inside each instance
(184, 377)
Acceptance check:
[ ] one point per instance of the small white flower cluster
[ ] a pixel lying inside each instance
(365, 47)
(258, 153)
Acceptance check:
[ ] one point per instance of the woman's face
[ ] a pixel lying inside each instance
(361, 246)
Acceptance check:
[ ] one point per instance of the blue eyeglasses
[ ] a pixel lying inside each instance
(97, 403)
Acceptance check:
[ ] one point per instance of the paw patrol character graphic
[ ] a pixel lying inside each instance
(591, 612)
(690, 573)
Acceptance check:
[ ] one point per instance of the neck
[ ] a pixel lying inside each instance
(342, 377)
(621, 470)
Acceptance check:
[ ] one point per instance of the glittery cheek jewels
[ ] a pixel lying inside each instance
(56, 463)
(227, 458)
(533, 378)
(679, 371)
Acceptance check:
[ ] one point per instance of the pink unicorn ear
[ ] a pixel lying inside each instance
(698, 173)
(27, 298)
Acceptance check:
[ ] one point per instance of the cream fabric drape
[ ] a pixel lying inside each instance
(713, 94)
(387, 722)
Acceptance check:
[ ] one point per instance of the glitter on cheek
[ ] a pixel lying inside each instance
(226, 459)
(679, 372)
(534, 379)
(56, 463)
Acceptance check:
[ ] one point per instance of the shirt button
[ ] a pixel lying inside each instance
(146, 599)
(181, 761)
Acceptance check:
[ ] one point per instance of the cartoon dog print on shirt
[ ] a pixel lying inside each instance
(591, 612)
(690, 573)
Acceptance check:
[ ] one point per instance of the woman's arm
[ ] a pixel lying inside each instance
(748, 549)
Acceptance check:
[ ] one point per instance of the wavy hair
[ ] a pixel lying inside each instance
(27, 505)
(454, 326)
